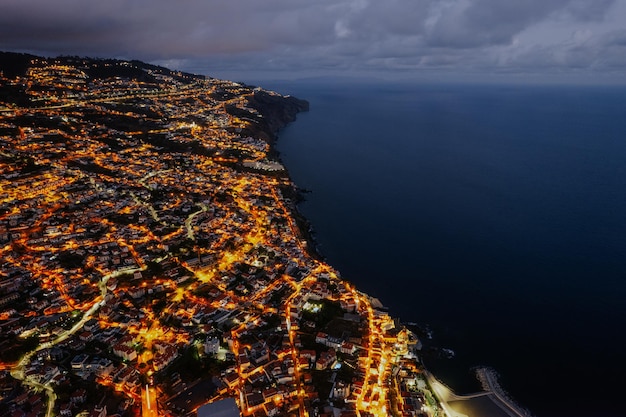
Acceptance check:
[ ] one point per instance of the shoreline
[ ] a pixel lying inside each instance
(487, 376)
(485, 281)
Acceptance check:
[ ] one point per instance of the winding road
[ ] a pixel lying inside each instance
(18, 370)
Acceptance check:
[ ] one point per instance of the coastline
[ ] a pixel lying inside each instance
(279, 113)
(454, 405)
(216, 266)
(486, 315)
(493, 400)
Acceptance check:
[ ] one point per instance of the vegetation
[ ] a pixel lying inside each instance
(14, 347)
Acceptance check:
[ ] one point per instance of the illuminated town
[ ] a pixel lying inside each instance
(152, 259)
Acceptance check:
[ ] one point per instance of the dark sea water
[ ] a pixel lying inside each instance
(495, 214)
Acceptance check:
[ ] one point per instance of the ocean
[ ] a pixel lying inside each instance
(495, 215)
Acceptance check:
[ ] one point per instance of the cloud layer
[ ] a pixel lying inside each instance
(408, 36)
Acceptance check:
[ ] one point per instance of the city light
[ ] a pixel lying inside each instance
(154, 243)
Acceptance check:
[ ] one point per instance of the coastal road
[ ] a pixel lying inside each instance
(445, 394)
(492, 390)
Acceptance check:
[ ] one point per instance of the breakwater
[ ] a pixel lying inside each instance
(489, 380)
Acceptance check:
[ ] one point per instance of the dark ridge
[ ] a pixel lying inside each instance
(14, 65)
(277, 110)
(91, 166)
(134, 70)
(106, 69)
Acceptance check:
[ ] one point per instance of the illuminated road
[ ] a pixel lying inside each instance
(294, 351)
(18, 371)
(253, 224)
(373, 398)
(203, 209)
(103, 99)
(445, 394)
(149, 402)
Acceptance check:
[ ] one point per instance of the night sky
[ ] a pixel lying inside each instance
(537, 40)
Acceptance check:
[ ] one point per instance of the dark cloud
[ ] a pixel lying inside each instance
(615, 39)
(487, 22)
(347, 35)
(585, 10)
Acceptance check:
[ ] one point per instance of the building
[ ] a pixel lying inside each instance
(212, 346)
